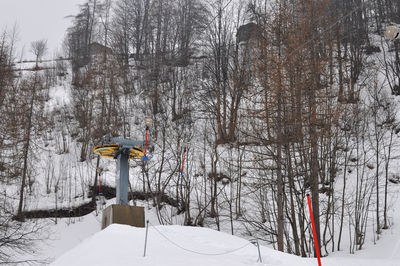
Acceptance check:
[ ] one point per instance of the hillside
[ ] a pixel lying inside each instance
(248, 107)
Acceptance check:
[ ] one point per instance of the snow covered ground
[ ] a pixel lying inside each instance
(79, 241)
(179, 245)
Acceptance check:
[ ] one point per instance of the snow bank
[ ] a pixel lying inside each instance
(169, 245)
(181, 246)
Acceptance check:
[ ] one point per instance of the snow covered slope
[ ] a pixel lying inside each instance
(177, 245)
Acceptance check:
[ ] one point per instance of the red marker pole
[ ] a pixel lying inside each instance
(148, 124)
(145, 148)
(183, 161)
(314, 231)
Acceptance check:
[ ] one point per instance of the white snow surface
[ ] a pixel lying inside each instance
(59, 97)
(124, 245)
(180, 245)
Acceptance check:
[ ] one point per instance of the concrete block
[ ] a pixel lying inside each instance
(123, 214)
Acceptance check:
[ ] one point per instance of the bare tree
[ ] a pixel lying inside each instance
(39, 49)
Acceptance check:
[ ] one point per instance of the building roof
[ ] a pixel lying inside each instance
(97, 48)
(247, 31)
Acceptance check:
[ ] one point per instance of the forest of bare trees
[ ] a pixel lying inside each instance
(275, 100)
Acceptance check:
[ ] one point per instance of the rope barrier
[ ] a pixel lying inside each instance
(95, 217)
(197, 252)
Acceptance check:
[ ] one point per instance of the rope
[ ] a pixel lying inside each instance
(219, 13)
(95, 217)
(196, 252)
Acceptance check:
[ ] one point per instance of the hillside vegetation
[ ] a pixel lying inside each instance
(273, 100)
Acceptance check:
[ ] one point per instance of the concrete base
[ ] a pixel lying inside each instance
(123, 214)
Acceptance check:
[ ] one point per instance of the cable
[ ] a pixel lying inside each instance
(95, 217)
(196, 252)
(219, 14)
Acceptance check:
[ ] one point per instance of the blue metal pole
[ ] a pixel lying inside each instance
(123, 177)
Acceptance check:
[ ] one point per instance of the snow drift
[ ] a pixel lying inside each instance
(179, 245)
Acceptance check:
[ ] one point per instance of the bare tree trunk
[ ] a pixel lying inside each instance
(292, 190)
(27, 139)
(343, 194)
(385, 220)
(377, 141)
(279, 168)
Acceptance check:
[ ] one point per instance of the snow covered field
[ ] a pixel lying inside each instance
(79, 241)
(179, 245)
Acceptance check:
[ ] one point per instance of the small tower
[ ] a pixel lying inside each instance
(123, 150)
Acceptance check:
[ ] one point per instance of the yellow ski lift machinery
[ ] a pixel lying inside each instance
(123, 150)
(111, 151)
